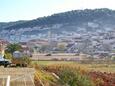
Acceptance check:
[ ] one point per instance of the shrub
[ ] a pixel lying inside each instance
(74, 78)
(8, 56)
(45, 78)
(26, 59)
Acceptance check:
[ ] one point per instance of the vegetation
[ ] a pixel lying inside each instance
(13, 47)
(113, 58)
(103, 67)
(67, 76)
(74, 78)
(74, 74)
(45, 78)
(8, 56)
(24, 60)
(79, 16)
(102, 79)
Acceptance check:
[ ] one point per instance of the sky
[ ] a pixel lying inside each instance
(14, 10)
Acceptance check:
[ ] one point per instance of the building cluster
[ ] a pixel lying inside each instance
(92, 41)
(96, 44)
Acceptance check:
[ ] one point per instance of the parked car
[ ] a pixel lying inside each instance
(49, 54)
(4, 62)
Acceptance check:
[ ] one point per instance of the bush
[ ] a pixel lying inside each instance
(71, 74)
(22, 60)
(73, 78)
(27, 60)
(113, 58)
(8, 56)
(47, 79)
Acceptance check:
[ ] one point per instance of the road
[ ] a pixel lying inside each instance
(60, 56)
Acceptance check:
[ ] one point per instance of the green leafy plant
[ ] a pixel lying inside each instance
(70, 77)
(13, 47)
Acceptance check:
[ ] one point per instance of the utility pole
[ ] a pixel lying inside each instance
(50, 40)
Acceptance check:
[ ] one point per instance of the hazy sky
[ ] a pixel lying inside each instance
(13, 10)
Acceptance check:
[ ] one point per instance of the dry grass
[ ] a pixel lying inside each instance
(95, 67)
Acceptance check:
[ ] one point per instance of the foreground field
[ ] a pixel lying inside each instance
(18, 76)
(51, 62)
(93, 67)
(63, 73)
(60, 73)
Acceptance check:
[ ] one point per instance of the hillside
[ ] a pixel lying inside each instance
(72, 17)
(9, 24)
(62, 23)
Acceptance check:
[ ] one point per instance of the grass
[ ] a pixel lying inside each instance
(66, 72)
(52, 62)
(45, 77)
(73, 74)
(102, 67)
(95, 67)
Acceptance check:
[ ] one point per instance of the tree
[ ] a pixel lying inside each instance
(61, 47)
(113, 58)
(44, 48)
(13, 47)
